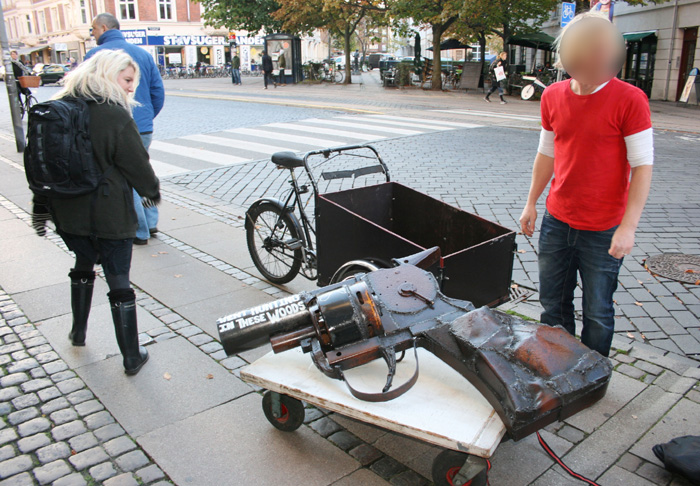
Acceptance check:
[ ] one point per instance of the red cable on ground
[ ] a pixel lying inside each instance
(566, 468)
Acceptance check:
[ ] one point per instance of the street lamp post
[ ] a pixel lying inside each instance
(12, 93)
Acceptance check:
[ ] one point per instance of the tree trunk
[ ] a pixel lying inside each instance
(436, 81)
(482, 46)
(347, 34)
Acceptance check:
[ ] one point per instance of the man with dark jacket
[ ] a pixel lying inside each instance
(151, 96)
(236, 69)
(19, 69)
(267, 69)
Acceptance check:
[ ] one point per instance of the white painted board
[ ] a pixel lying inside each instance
(443, 408)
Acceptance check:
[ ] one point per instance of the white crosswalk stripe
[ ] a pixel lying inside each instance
(489, 114)
(273, 135)
(241, 145)
(301, 127)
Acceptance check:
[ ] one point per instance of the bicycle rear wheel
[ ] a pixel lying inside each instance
(274, 243)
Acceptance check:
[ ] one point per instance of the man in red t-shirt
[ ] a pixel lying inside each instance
(597, 142)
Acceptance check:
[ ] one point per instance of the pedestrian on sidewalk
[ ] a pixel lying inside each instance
(150, 95)
(282, 63)
(100, 227)
(596, 133)
(236, 69)
(266, 65)
(499, 65)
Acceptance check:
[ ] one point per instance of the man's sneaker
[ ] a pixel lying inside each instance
(487, 100)
(140, 242)
(504, 102)
(153, 231)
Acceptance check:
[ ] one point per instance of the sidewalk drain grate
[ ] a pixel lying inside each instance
(676, 266)
(518, 293)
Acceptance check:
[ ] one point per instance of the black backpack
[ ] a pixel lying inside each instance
(58, 159)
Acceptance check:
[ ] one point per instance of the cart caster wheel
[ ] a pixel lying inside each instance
(291, 414)
(446, 466)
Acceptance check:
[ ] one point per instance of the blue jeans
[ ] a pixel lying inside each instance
(147, 217)
(236, 76)
(565, 252)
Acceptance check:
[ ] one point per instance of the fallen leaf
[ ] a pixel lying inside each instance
(634, 417)
(177, 275)
(690, 270)
(154, 256)
(167, 375)
(514, 286)
(210, 376)
(162, 252)
(522, 251)
(639, 304)
(697, 282)
(643, 336)
(630, 335)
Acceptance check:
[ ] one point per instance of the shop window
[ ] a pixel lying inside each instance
(127, 9)
(166, 10)
(30, 30)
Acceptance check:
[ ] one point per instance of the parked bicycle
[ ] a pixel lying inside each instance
(29, 101)
(280, 235)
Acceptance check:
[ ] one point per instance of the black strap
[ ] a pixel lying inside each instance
(384, 396)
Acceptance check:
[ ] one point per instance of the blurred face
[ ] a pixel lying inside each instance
(98, 30)
(13, 55)
(504, 56)
(592, 51)
(126, 79)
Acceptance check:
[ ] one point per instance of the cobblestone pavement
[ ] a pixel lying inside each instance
(476, 171)
(53, 429)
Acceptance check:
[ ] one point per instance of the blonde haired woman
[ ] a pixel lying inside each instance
(100, 227)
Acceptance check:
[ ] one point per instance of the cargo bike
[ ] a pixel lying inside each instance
(360, 222)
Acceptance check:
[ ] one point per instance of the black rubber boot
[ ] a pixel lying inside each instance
(82, 283)
(123, 303)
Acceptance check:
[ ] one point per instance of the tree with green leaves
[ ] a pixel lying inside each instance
(250, 15)
(440, 15)
(340, 17)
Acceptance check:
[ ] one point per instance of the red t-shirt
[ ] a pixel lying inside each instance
(591, 171)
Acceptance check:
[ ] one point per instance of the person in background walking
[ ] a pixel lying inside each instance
(266, 65)
(150, 95)
(500, 62)
(18, 70)
(282, 63)
(601, 180)
(236, 69)
(100, 228)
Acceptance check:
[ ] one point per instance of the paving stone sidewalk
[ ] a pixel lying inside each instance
(53, 430)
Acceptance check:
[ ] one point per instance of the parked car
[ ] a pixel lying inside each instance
(339, 62)
(52, 73)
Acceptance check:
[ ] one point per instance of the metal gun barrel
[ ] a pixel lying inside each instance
(253, 327)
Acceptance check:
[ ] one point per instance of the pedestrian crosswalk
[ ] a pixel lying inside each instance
(244, 144)
(490, 114)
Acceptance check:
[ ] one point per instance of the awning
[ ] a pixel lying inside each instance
(637, 36)
(28, 50)
(450, 44)
(535, 40)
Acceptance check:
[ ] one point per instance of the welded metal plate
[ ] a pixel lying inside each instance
(676, 266)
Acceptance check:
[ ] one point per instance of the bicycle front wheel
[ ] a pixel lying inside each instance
(274, 243)
(338, 77)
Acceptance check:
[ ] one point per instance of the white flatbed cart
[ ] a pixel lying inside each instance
(443, 408)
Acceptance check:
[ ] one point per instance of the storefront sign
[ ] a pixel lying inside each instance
(685, 95)
(186, 40)
(175, 58)
(60, 47)
(136, 37)
(254, 40)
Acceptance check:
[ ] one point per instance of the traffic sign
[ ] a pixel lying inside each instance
(568, 11)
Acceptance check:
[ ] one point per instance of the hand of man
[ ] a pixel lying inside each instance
(150, 202)
(527, 220)
(622, 242)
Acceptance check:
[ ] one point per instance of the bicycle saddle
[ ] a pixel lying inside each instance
(288, 160)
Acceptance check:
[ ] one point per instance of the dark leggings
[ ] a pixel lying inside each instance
(113, 255)
(495, 85)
